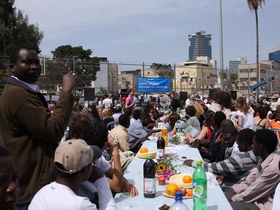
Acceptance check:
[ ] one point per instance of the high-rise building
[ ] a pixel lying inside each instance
(275, 55)
(233, 64)
(200, 45)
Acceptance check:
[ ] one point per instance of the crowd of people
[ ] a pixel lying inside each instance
(73, 156)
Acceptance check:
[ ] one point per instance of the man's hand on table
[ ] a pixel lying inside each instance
(130, 189)
(188, 162)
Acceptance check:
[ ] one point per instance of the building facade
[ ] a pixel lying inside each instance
(233, 64)
(275, 55)
(200, 45)
(195, 77)
(247, 75)
(113, 86)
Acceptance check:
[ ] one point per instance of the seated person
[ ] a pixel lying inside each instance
(135, 115)
(206, 129)
(119, 137)
(95, 133)
(170, 125)
(139, 130)
(9, 187)
(192, 118)
(107, 117)
(220, 122)
(73, 160)
(276, 198)
(222, 147)
(117, 112)
(236, 166)
(257, 190)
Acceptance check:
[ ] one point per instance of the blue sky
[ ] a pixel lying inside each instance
(153, 31)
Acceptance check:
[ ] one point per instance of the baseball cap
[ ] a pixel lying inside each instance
(75, 154)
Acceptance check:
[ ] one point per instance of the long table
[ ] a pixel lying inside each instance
(134, 174)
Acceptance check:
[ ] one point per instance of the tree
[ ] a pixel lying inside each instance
(15, 29)
(253, 6)
(78, 60)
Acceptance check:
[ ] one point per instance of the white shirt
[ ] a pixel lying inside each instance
(87, 189)
(276, 199)
(247, 119)
(57, 196)
(217, 107)
(107, 103)
(187, 103)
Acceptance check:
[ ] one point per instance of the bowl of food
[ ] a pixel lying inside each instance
(182, 180)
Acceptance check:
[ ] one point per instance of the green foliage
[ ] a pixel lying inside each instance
(102, 92)
(15, 29)
(79, 60)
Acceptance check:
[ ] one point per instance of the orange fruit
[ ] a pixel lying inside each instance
(171, 189)
(187, 179)
(144, 150)
(189, 192)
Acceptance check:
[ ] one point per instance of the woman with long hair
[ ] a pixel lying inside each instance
(260, 119)
(94, 112)
(207, 128)
(245, 114)
(222, 103)
(172, 119)
(199, 111)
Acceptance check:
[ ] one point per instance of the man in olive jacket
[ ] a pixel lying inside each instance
(28, 130)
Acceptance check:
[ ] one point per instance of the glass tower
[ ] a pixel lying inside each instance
(200, 45)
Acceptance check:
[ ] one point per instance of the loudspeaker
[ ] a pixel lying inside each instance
(212, 93)
(124, 92)
(183, 96)
(233, 94)
(89, 94)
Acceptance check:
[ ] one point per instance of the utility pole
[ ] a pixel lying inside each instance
(202, 90)
(174, 83)
(221, 43)
(74, 71)
(143, 68)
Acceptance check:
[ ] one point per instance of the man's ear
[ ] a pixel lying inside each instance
(11, 67)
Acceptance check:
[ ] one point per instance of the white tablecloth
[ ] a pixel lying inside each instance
(134, 174)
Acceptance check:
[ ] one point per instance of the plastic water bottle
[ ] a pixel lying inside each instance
(179, 204)
(199, 187)
(160, 147)
(178, 128)
(149, 169)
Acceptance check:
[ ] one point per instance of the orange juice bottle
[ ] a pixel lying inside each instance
(164, 133)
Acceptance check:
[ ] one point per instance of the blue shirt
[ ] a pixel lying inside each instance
(136, 131)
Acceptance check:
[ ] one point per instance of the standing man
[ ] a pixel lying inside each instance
(107, 102)
(253, 99)
(29, 131)
(188, 101)
(174, 103)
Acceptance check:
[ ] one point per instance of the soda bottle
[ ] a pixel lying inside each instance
(160, 146)
(149, 169)
(178, 111)
(199, 187)
(179, 204)
(164, 133)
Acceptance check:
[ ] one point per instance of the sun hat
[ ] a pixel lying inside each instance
(75, 154)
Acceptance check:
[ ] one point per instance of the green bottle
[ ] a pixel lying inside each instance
(199, 187)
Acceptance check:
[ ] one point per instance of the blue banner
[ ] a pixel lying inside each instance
(153, 85)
